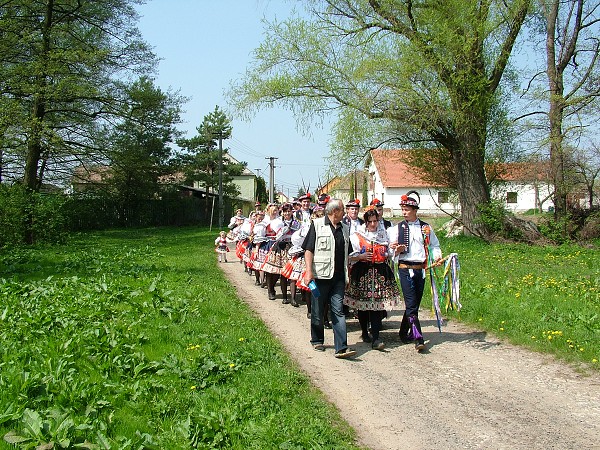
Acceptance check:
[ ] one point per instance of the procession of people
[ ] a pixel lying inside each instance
(340, 265)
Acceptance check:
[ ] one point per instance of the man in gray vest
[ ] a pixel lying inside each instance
(326, 256)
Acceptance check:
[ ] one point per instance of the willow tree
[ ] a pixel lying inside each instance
(427, 72)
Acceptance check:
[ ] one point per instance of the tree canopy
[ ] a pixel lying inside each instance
(60, 65)
(425, 74)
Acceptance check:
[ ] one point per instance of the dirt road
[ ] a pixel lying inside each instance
(469, 390)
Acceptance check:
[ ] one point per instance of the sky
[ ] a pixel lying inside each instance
(204, 45)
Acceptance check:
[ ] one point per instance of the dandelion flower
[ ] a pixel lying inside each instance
(501, 328)
(193, 388)
(231, 366)
(241, 339)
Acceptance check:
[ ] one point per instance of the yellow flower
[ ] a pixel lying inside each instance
(549, 337)
(241, 339)
(231, 366)
(533, 337)
(501, 328)
(581, 349)
(594, 360)
(193, 388)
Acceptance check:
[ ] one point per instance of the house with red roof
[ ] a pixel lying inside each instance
(521, 186)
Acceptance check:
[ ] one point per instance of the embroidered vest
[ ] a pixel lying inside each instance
(404, 233)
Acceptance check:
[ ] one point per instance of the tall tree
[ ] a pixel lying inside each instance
(572, 70)
(428, 72)
(206, 161)
(140, 144)
(59, 60)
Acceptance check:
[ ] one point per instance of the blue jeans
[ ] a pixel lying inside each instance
(332, 292)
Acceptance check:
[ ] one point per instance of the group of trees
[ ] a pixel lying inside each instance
(76, 90)
(438, 75)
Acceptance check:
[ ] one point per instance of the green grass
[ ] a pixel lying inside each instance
(545, 298)
(134, 339)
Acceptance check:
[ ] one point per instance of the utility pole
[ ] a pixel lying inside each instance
(271, 178)
(221, 211)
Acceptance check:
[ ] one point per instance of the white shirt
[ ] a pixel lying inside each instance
(416, 246)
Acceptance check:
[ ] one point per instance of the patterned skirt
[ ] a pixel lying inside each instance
(372, 287)
(222, 249)
(276, 257)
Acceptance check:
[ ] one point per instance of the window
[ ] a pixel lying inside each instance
(511, 197)
(442, 197)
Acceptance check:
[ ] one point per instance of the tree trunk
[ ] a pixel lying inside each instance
(472, 188)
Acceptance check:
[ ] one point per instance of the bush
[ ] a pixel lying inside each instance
(30, 216)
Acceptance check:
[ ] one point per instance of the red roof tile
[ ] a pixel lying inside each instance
(393, 171)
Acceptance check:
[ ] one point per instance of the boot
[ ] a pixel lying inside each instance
(270, 283)
(404, 327)
(284, 291)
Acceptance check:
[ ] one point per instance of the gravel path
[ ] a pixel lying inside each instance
(469, 390)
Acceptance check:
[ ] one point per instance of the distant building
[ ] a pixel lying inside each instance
(520, 186)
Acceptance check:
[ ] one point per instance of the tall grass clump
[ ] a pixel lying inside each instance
(134, 339)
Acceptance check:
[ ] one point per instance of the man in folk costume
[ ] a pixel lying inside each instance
(303, 214)
(411, 241)
(351, 218)
(384, 224)
(322, 200)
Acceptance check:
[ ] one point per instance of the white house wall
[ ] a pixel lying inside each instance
(526, 197)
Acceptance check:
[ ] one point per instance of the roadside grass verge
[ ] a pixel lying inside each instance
(134, 339)
(545, 298)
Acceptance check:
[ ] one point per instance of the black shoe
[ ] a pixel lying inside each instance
(257, 283)
(271, 295)
(366, 338)
(420, 346)
(285, 301)
(327, 324)
(405, 339)
(377, 345)
(295, 303)
(308, 315)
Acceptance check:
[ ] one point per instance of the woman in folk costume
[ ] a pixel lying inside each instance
(295, 267)
(221, 246)
(373, 287)
(278, 255)
(266, 232)
(412, 240)
(244, 242)
(256, 238)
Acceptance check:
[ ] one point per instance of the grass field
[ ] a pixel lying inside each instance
(134, 339)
